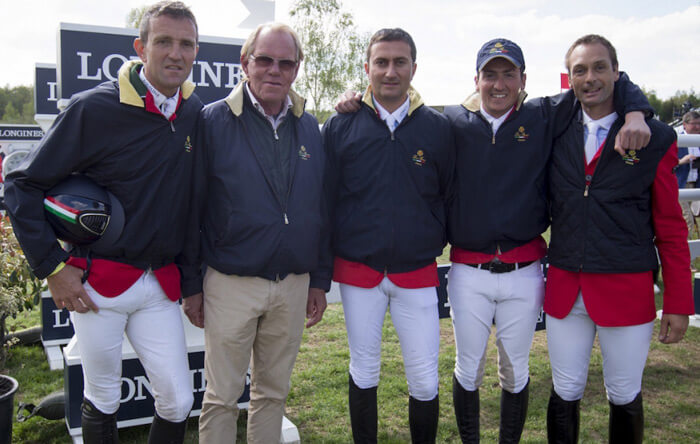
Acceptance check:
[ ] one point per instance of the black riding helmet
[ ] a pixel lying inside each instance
(83, 213)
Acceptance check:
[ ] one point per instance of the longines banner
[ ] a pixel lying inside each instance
(90, 55)
(45, 91)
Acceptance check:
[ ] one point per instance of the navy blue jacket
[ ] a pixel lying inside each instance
(238, 225)
(682, 171)
(387, 192)
(144, 160)
(500, 197)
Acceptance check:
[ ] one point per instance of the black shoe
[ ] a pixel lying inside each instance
(166, 432)
(423, 419)
(98, 427)
(513, 415)
(562, 420)
(627, 422)
(467, 412)
(363, 413)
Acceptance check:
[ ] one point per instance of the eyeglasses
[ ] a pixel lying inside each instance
(264, 61)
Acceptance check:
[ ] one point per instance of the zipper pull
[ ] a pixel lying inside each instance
(493, 139)
(276, 136)
(585, 191)
(172, 127)
(286, 221)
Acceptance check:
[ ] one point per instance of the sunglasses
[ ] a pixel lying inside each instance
(264, 61)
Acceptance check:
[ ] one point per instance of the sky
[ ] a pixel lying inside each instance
(658, 42)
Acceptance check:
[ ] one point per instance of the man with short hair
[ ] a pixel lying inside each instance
(495, 222)
(133, 137)
(687, 169)
(610, 215)
(389, 171)
(257, 226)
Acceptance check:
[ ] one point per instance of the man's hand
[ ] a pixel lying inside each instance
(634, 134)
(315, 306)
(349, 102)
(686, 159)
(673, 327)
(67, 291)
(194, 309)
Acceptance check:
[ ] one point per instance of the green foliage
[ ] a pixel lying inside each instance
(673, 108)
(19, 288)
(333, 52)
(17, 104)
(133, 18)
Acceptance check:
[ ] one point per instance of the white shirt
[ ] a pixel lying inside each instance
(495, 121)
(166, 105)
(275, 121)
(392, 120)
(604, 124)
(693, 151)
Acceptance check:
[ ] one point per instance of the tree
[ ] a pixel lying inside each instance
(133, 18)
(673, 108)
(333, 52)
(17, 104)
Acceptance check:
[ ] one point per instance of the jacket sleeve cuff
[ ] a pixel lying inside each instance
(191, 287)
(318, 281)
(57, 256)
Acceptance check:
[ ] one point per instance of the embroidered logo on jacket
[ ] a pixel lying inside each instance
(521, 135)
(188, 145)
(630, 157)
(303, 155)
(418, 158)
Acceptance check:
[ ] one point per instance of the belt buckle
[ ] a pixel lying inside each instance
(495, 265)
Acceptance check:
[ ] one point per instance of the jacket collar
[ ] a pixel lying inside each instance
(131, 89)
(415, 99)
(473, 102)
(235, 101)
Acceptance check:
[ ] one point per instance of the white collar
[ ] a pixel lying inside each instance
(158, 97)
(397, 116)
(604, 122)
(495, 121)
(274, 120)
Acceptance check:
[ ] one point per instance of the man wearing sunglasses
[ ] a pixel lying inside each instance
(256, 225)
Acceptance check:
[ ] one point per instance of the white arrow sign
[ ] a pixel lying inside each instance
(261, 11)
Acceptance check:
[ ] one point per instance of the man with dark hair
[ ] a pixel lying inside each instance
(389, 171)
(257, 226)
(133, 137)
(687, 169)
(608, 214)
(495, 224)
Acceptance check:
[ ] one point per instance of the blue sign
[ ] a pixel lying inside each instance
(12, 132)
(90, 55)
(45, 89)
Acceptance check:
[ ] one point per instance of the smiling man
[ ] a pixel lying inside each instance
(495, 222)
(133, 137)
(610, 216)
(389, 171)
(257, 226)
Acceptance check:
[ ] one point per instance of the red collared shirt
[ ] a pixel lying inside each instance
(534, 250)
(360, 275)
(110, 279)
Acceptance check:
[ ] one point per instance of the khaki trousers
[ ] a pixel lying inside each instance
(257, 321)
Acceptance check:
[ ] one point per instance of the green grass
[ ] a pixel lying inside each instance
(317, 403)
